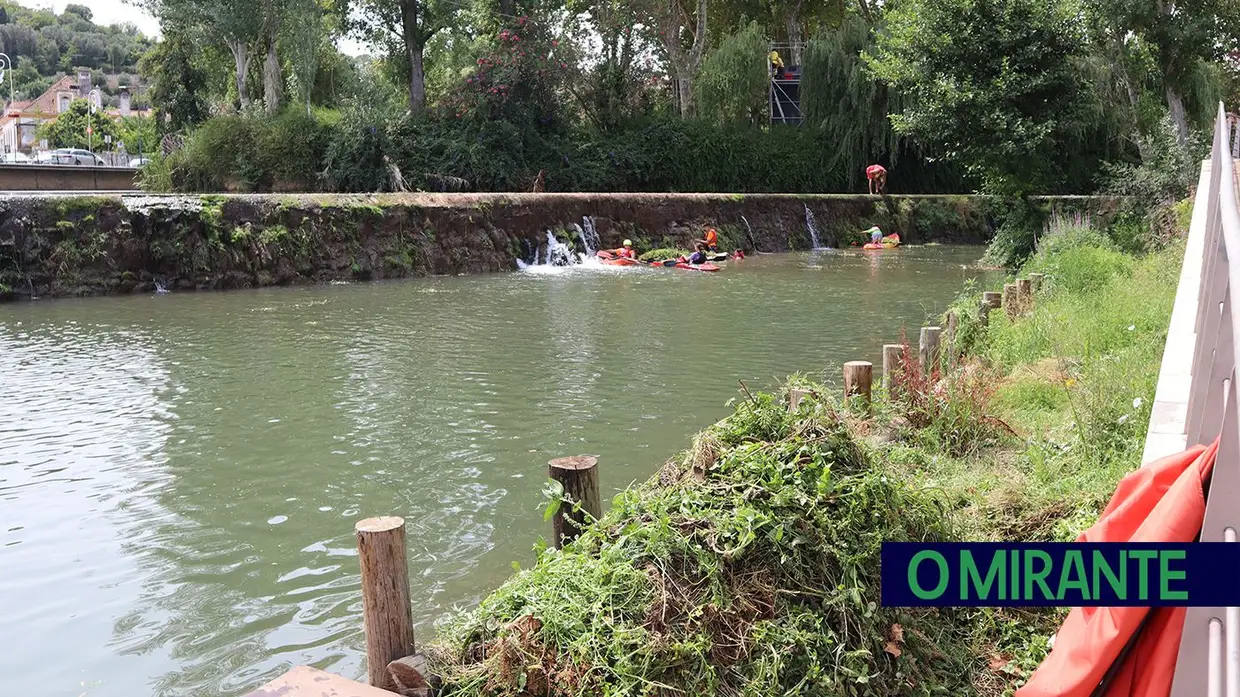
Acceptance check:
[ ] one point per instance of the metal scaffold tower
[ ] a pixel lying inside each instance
(785, 98)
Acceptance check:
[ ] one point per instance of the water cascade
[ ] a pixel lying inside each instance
(554, 253)
(813, 229)
(590, 240)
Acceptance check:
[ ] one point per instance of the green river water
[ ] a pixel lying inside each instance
(180, 474)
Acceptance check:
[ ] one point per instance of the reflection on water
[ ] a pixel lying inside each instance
(179, 474)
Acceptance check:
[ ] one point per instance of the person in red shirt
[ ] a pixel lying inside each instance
(625, 252)
(877, 174)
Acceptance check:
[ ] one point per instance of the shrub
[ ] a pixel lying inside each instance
(948, 410)
(663, 254)
(1076, 257)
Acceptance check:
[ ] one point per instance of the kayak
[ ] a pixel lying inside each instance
(619, 261)
(718, 256)
(696, 267)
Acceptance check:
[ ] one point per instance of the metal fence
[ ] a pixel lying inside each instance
(1209, 658)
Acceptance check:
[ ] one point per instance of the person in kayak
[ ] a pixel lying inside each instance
(876, 235)
(710, 241)
(625, 252)
(877, 175)
(697, 258)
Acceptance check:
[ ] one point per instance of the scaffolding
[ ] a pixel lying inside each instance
(785, 93)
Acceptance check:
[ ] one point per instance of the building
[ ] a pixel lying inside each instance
(20, 124)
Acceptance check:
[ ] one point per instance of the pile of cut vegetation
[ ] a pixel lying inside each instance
(748, 566)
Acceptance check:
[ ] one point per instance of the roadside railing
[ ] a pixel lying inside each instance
(1209, 659)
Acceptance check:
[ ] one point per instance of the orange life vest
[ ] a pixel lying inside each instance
(623, 252)
(712, 238)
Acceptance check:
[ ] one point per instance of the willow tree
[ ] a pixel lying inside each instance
(842, 97)
(732, 85)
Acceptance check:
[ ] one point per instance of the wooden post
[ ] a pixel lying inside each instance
(1036, 278)
(858, 381)
(579, 477)
(990, 301)
(386, 610)
(794, 398)
(1011, 304)
(1024, 293)
(892, 355)
(953, 323)
(928, 353)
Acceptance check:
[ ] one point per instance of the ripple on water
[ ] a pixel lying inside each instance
(207, 455)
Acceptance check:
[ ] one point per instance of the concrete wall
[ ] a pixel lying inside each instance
(88, 245)
(32, 177)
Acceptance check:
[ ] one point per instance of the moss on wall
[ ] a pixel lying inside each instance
(66, 246)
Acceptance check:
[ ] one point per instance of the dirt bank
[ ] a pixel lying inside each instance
(72, 246)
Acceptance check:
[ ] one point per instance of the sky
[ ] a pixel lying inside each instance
(119, 11)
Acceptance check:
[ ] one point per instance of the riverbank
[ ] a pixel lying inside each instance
(750, 563)
(99, 245)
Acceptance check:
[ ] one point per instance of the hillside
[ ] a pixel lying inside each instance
(45, 46)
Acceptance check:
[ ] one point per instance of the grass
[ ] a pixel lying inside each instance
(749, 564)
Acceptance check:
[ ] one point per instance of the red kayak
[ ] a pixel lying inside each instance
(611, 260)
(695, 267)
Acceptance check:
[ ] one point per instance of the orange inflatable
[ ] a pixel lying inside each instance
(1162, 502)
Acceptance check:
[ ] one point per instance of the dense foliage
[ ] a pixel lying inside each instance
(1017, 97)
(995, 85)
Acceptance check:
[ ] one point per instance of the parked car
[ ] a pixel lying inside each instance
(54, 157)
(83, 157)
(139, 162)
(12, 158)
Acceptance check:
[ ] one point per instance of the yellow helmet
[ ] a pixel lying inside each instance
(628, 243)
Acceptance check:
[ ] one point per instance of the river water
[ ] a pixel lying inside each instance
(180, 474)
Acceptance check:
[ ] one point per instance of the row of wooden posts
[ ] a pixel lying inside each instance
(1016, 299)
(391, 661)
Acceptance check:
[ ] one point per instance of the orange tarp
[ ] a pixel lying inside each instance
(1161, 502)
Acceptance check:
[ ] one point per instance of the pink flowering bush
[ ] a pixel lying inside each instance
(517, 81)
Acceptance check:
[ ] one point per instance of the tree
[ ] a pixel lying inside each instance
(231, 22)
(178, 83)
(79, 10)
(732, 85)
(840, 96)
(70, 129)
(405, 27)
(1183, 34)
(682, 36)
(994, 84)
(304, 33)
(618, 70)
(273, 16)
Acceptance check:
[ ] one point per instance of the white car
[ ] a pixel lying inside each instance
(13, 158)
(82, 157)
(54, 157)
(139, 162)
